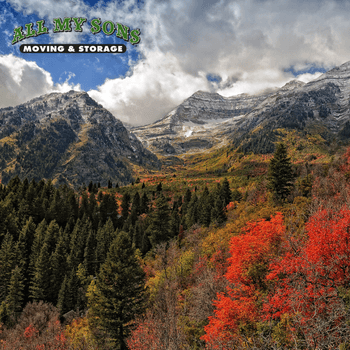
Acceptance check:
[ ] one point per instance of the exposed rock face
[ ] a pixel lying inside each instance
(208, 120)
(199, 122)
(202, 121)
(69, 138)
(320, 106)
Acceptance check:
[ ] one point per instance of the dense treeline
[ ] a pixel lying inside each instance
(274, 276)
(259, 262)
(56, 245)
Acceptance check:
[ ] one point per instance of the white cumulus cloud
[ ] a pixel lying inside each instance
(250, 45)
(23, 80)
(154, 85)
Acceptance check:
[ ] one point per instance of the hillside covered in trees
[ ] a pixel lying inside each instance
(225, 251)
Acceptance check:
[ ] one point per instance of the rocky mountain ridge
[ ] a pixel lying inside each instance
(206, 120)
(320, 106)
(202, 121)
(69, 138)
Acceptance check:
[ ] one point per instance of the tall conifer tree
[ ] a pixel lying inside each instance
(40, 284)
(117, 295)
(280, 173)
(159, 229)
(226, 192)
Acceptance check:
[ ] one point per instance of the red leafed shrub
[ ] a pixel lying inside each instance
(145, 337)
(38, 328)
(231, 206)
(298, 288)
(251, 253)
(311, 284)
(30, 332)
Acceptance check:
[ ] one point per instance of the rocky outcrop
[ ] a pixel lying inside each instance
(207, 120)
(69, 138)
(202, 121)
(320, 106)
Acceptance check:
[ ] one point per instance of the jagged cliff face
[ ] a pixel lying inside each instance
(69, 138)
(321, 106)
(203, 121)
(200, 122)
(207, 120)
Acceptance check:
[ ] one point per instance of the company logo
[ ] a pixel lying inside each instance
(68, 24)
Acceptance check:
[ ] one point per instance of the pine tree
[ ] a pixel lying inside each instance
(135, 209)
(62, 297)
(226, 192)
(144, 204)
(84, 207)
(7, 264)
(15, 294)
(175, 220)
(77, 242)
(23, 247)
(125, 206)
(145, 243)
(12, 305)
(280, 173)
(206, 206)
(55, 211)
(159, 187)
(104, 238)
(137, 236)
(73, 206)
(159, 229)
(187, 199)
(218, 212)
(93, 209)
(36, 247)
(117, 295)
(192, 215)
(40, 284)
(236, 195)
(68, 294)
(25, 241)
(108, 209)
(90, 254)
(51, 236)
(58, 265)
(73, 295)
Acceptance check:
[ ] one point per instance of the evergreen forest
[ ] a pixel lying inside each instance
(223, 251)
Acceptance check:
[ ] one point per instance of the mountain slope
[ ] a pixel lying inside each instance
(321, 106)
(253, 123)
(202, 121)
(199, 122)
(69, 138)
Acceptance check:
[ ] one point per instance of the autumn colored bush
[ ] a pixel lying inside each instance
(38, 328)
(238, 307)
(311, 283)
(146, 335)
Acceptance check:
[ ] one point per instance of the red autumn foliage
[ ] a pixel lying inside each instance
(145, 337)
(38, 328)
(250, 255)
(308, 283)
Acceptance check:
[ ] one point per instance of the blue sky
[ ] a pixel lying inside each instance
(223, 46)
(87, 70)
